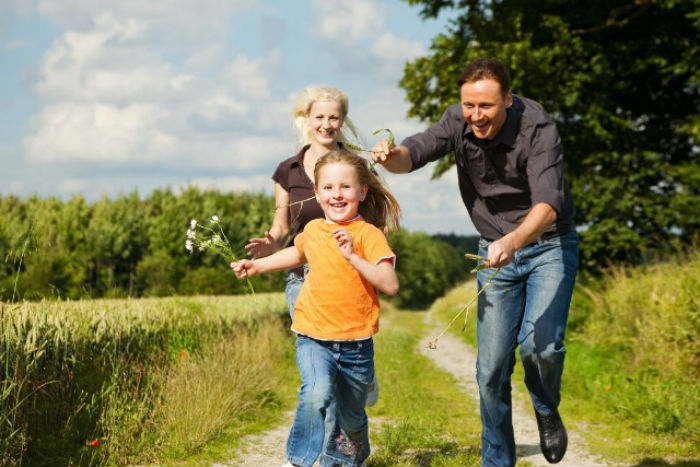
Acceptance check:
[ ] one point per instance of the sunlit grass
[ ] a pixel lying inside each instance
(632, 368)
(82, 381)
(421, 418)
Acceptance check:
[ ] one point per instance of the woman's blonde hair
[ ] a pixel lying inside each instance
(309, 95)
(379, 207)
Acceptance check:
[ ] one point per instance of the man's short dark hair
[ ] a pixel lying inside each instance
(486, 68)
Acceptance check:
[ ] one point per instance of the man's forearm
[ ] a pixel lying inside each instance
(538, 220)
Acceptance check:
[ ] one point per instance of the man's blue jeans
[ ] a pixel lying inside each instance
(526, 305)
(340, 370)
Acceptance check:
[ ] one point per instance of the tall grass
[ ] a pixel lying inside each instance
(634, 357)
(80, 380)
(235, 378)
(632, 366)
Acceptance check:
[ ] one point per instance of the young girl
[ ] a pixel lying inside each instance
(337, 311)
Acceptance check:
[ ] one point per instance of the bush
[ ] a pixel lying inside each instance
(426, 268)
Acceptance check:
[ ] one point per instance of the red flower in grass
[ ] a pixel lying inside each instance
(608, 388)
(183, 354)
(94, 443)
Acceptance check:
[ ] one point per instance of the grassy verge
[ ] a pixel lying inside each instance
(421, 417)
(240, 386)
(630, 384)
(119, 381)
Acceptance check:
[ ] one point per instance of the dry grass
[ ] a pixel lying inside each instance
(202, 396)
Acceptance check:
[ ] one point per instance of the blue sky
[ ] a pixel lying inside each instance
(102, 98)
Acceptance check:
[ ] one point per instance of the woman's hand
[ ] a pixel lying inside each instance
(244, 268)
(261, 246)
(344, 241)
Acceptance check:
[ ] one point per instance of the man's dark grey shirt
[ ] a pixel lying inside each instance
(501, 179)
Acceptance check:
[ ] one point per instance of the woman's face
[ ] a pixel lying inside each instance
(325, 119)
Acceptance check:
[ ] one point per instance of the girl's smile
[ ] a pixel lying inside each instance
(339, 192)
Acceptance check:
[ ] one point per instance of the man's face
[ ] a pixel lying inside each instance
(484, 107)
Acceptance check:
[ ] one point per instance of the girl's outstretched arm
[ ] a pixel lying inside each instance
(287, 258)
(381, 275)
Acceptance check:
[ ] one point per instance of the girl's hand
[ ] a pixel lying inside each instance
(261, 246)
(244, 268)
(344, 241)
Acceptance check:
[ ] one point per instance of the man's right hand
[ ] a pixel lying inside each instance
(381, 152)
(395, 159)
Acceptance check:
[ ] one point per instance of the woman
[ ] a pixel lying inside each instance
(320, 116)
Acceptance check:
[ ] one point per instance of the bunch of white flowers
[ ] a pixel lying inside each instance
(212, 236)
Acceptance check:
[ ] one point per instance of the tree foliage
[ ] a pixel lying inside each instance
(135, 247)
(125, 246)
(622, 81)
(426, 267)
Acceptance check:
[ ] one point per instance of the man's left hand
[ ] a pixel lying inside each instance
(500, 252)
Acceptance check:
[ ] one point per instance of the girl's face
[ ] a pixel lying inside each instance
(339, 192)
(325, 119)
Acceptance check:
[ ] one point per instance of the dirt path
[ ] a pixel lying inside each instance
(265, 449)
(455, 357)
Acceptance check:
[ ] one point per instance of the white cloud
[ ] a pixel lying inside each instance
(200, 21)
(257, 183)
(131, 85)
(105, 64)
(96, 132)
(250, 78)
(357, 33)
(112, 99)
(341, 19)
(431, 206)
(395, 51)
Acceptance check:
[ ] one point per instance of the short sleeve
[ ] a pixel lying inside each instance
(300, 242)
(376, 247)
(281, 175)
(545, 171)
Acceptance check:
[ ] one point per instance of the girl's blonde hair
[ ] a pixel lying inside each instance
(309, 95)
(379, 206)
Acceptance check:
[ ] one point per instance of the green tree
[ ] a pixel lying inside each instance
(116, 238)
(426, 267)
(622, 81)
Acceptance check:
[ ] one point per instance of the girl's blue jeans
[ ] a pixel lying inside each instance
(331, 370)
(293, 284)
(526, 305)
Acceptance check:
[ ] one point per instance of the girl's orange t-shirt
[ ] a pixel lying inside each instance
(336, 302)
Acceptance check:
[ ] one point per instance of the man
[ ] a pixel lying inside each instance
(509, 165)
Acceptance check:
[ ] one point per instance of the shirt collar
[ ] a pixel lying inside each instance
(299, 157)
(349, 221)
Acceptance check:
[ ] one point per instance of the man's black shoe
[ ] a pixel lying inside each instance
(553, 439)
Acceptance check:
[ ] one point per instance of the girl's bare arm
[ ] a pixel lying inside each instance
(381, 275)
(287, 258)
